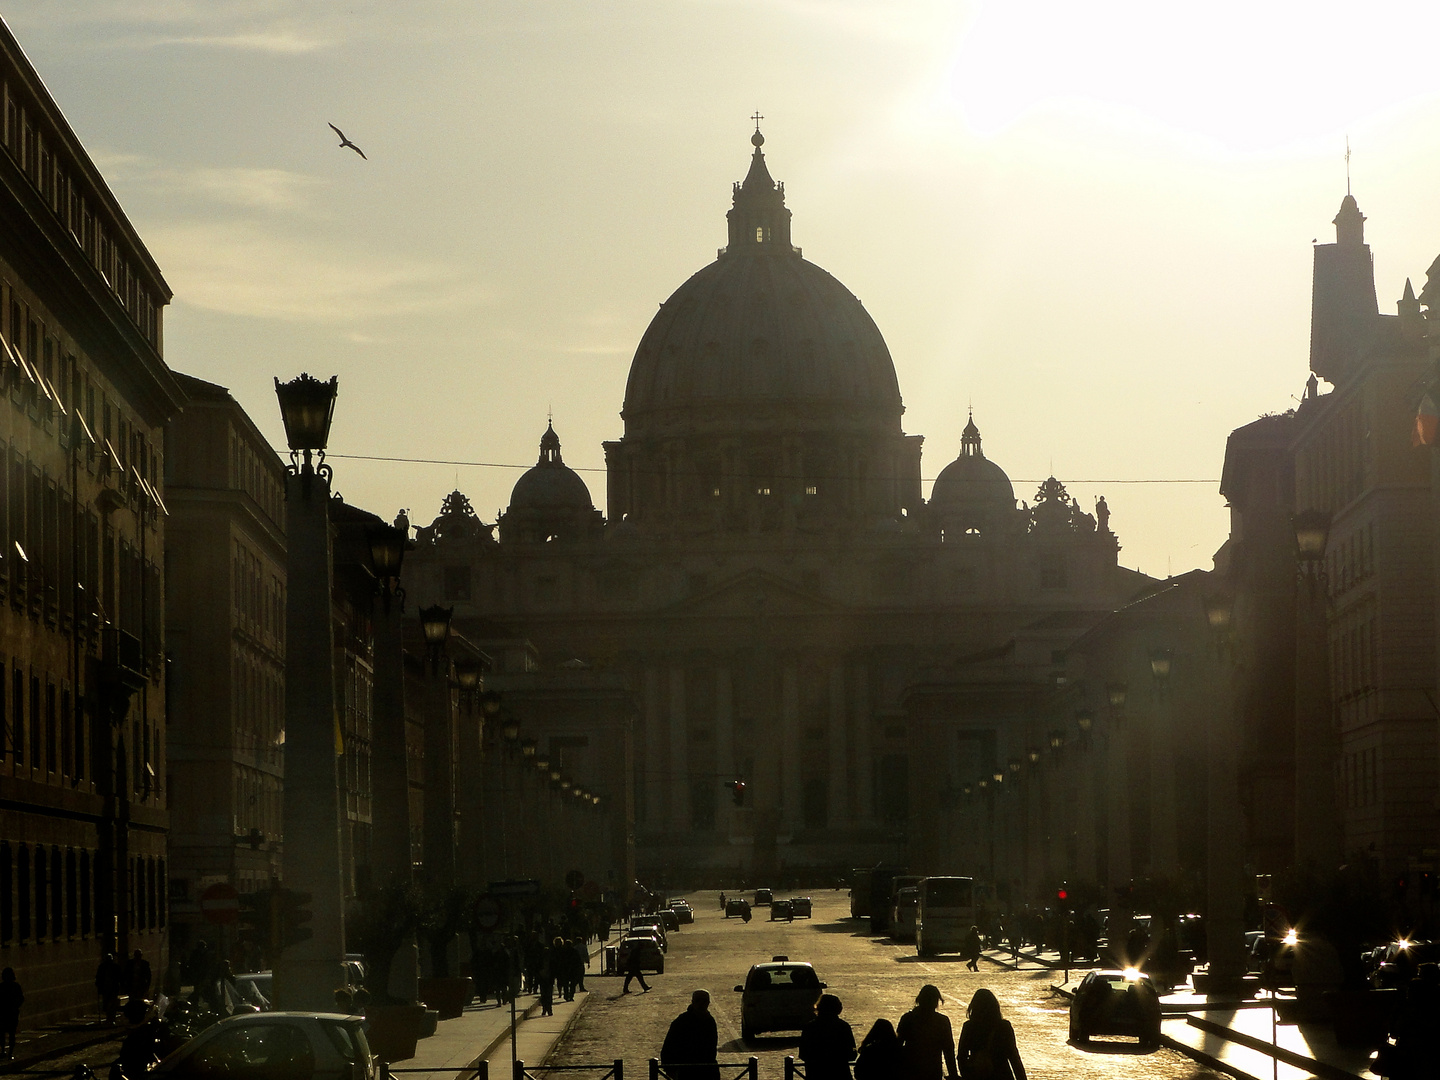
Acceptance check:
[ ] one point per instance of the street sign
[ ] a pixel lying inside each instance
(514, 888)
(220, 904)
(487, 912)
(574, 879)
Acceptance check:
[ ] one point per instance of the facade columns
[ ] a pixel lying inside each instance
(791, 786)
(725, 756)
(839, 785)
(439, 835)
(679, 754)
(864, 780)
(1120, 868)
(390, 831)
(656, 808)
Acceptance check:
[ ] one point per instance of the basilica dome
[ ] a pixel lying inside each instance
(550, 484)
(972, 481)
(761, 340)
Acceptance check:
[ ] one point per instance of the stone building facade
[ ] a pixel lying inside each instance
(769, 579)
(225, 635)
(84, 395)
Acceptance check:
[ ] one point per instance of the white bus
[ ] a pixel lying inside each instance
(946, 913)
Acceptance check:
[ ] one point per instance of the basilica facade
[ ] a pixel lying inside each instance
(769, 581)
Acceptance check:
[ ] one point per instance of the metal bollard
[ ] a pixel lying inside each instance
(654, 1069)
(619, 1069)
(789, 1067)
(519, 1071)
(754, 1068)
(482, 1070)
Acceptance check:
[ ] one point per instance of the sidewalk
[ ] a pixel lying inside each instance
(52, 1050)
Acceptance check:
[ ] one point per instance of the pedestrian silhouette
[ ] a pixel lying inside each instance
(108, 977)
(827, 1045)
(970, 949)
(692, 1043)
(927, 1045)
(879, 1053)
(632, 971)
(987, 1042)
(138, 977)
(11, 998)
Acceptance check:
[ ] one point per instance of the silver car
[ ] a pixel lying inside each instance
(275, 1046)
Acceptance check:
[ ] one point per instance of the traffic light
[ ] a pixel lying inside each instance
(291, 915)
(1062, 897)
(257, 914)
(737, 790)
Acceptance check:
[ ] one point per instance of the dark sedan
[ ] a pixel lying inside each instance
(1116, 1003)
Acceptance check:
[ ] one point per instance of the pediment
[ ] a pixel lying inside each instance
(755, 594)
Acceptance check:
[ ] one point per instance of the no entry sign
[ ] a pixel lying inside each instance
(220, 904)
(487, 913)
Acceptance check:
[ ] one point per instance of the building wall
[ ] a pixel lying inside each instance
(83, 395)
(225, 635)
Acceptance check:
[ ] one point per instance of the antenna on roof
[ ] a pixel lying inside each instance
(1347, 164)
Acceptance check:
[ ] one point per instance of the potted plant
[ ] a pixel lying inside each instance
(444, 917)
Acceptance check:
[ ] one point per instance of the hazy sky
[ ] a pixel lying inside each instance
(1092, 220)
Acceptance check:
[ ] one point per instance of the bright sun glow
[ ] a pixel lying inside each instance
(1133, 974)
(1247, 76)
(1291, 937)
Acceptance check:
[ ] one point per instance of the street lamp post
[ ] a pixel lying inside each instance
(1164, 841)
(307, 972)
(438, 843)
(1224, 901)
(1317, 749)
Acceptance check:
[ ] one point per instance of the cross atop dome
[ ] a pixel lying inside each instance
(970, 439)
(759, 220)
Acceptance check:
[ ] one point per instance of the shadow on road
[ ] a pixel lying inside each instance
(853, 927)
(1128, 1049)
(760, 1042)
(913, 959)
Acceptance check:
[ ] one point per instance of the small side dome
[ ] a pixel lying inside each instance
(972, 480)
(550, 484)
(549, 501)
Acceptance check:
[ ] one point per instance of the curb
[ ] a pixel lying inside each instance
(566, 1029)
(1260, 1046)
(1205, 1059)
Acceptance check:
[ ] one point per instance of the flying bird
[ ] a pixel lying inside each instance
(346, 142)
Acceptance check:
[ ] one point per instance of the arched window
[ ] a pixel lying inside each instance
(42, 908)
(22, 891)
(759, 234)
(162, 892)
(7, 886)
(85, 906)
(72, 895)
(57, 893)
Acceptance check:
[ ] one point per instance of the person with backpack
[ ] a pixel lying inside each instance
(987, 1042)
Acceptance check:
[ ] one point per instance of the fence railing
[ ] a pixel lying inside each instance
(614, 1069)
(749, 1069)
(794, 1068)
(480, 1070)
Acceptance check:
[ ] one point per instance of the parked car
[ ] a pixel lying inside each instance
(652, 957)
(778, 996)
(651, 932)
(652, 922)
(669, 919)
(800, 906)
(1112, 1002)
(275, 1046)
(683, 910)
(763, 897)
(781, 911)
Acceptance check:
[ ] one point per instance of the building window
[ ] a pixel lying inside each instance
(457, 583)
(759, 234)
(7, 896)
(85, 908)
(22, 892)
(41, 894)
(702, 806)
(812, 489)
(816, 803)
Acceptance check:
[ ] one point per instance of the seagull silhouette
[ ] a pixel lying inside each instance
(346, 142)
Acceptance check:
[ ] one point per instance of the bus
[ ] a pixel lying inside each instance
(947, 911)
(860, 892)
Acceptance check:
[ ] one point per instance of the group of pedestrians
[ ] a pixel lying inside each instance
(921, 1047)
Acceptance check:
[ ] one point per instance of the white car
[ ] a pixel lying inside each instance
(778, 996)
(275, 1046)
